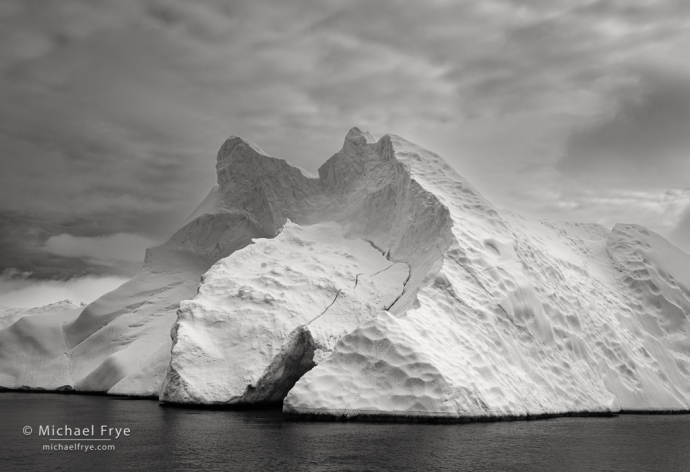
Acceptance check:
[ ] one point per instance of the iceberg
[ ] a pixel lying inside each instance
(385, 287)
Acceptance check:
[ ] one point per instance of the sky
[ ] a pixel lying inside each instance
(113, 112)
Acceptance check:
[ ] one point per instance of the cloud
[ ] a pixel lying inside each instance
(17, 289)
(12, 279)
(645, 141)
(681, 233)
(120, 247)
(113, 111)
(23, 238)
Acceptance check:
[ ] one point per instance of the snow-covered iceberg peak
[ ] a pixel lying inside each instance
(364, 187)
(363, 195)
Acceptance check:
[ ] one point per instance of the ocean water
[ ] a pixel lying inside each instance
(170, 439)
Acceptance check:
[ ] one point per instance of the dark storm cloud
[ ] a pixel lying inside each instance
(113, 111)
(86, 149)
(645, 141)
(23, 250)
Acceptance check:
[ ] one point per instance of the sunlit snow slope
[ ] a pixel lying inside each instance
(523, 318)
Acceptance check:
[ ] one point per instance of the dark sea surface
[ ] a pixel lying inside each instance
(170, 439)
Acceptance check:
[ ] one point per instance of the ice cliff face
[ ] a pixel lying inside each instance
(277, 308)
(387, 286)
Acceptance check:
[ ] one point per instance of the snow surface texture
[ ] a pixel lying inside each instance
(228, 348)
(480, 313)
(522, 318)
(267, 314)
(10, 315)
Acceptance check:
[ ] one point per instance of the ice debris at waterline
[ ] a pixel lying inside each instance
(386, 286)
